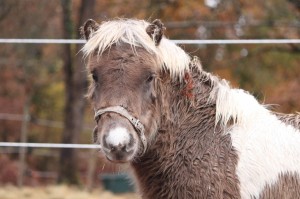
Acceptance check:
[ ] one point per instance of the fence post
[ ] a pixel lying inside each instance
(23, 150)
(91, 169)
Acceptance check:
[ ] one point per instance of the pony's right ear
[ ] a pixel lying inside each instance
(156, 31)
(88, 28)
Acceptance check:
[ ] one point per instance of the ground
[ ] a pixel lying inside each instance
(59, 192)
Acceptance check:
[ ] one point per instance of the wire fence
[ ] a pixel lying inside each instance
(49, 145)
(81, 41)
(209, 41)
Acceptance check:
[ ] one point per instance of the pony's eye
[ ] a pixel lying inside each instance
(95, 77)
(150, 78)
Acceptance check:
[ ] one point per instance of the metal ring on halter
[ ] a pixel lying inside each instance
(123, 112)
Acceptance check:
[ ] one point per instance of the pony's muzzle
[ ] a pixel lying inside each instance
(118, 145)
(118, 154)
(121, 134)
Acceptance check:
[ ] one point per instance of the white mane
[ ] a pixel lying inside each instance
(234, 105)
(133, 32)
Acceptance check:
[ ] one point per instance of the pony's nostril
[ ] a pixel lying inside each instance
(112, 148)
(104, 143)
(131, 141)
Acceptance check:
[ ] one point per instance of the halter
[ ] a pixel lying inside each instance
(123, 112)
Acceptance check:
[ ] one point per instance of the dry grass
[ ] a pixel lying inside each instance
(58, 192)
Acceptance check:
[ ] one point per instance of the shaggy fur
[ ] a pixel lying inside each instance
(206, 140)
(190, 157)
(291, 119)
(286, 187)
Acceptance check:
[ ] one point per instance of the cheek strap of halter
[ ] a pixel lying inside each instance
(123, 112)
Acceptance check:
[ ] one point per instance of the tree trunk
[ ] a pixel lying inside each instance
(75, 86)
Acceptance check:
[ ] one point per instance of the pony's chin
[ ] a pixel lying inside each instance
(119, 160)
(122, 161)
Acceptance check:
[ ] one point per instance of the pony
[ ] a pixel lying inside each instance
(185, 133)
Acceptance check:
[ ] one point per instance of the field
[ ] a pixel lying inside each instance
(59, 192)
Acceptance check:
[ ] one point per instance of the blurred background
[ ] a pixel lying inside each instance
(42, 86)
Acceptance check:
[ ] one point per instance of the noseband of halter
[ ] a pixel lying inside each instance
(123, 112)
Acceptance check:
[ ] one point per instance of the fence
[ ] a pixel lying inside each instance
(23, 145)
(80, 41)
(212, 41)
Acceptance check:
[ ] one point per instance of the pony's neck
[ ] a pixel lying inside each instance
(188, 145)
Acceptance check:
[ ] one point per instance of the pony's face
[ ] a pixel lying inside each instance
(125, 78)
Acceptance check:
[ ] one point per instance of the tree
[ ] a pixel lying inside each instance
(75, 87)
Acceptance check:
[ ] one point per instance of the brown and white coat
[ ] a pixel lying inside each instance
(205, 139)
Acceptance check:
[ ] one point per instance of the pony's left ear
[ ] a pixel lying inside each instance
(88, 28)
(156, 31)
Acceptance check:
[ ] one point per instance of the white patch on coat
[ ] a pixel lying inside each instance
(118, 135)
(266, 146)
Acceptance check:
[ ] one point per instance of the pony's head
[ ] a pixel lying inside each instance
(125, 60)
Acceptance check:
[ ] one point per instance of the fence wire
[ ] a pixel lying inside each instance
(49, 145)
(197, 41)
(81, 41)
